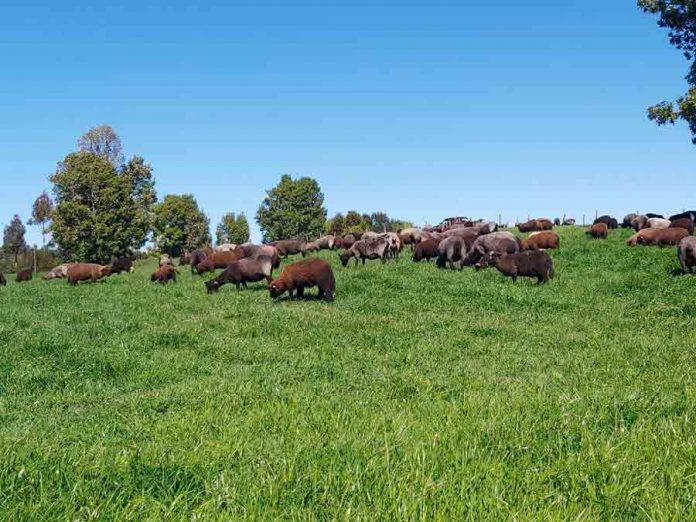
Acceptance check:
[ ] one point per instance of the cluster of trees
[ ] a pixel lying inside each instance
(232, 229)
(353, 222)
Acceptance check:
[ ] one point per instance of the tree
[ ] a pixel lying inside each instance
(180, 225)
(679, 17)
(380, 222)
(293, 208)
(336, 225)
(233, 229)
(13, 243)
(41, 213)
(101, 211)
(103, 142)
(356, 222)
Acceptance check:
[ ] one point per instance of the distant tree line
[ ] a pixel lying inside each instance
(105, 206)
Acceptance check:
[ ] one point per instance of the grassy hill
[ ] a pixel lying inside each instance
(420, 393)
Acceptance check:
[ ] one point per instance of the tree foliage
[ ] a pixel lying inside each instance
(101, 211)
(679, 17)
(293, 208)
(41, 213)
(180, 225)
(232, 229)
(13, 243)
(354, 222)
(103, 142)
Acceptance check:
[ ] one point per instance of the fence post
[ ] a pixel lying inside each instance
(34, 258)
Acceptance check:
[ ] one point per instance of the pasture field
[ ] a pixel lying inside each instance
(418, 394)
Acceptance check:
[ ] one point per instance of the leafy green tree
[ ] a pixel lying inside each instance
(103, 142)
(399, 224)
(13, 243)
(41, 213)
(356, 222)
(336, 225)
(293, 208)
(679, 17)
(180, 225)
(380, 222)
(232, 229)
(100, 210)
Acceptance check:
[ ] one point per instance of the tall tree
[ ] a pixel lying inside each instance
(356, 222)
(13, 242)
(232, 229)
(679, 17)
(101, 211)
(380, 222)
(180, 225)
(41, 213)
(293, 208)
(103, 142)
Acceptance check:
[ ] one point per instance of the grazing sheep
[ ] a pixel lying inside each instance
(664, 236)
(225, 247)
(658, 223)
(219, 260)
(609, 221)
(24, 275)
(247, 270)
(290, 247)
(305, 274)
(501, 242)
(366, 249)
(541, 240)
(684, 223)
(426, 250)
(686, 252)
(87, 272)
(451, 250)
(58, 272)
(628, 220)
(165, 260)
(534, 263)
(348, 241)
(164, 274)
(598, 231)
(122, 264)
(394, 242)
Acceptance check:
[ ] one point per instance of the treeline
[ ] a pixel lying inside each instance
(105, 206)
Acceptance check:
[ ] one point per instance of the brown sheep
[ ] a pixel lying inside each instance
(305, 274)
(164, 274)
(251, 250)
(685, 223)
(87, 271)
(648, 233)
(219, 260)
(24, 275)
(536, 263)
(247, 270)
(426, 250)
(664, 237)
(541, 241)
(348, 240)
(598, 231)
(290, 247)
(535, 225)
(366, 249)
(3, 281)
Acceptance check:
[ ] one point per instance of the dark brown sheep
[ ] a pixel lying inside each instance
(305, 274)
(247, 270)
(122, 264)
(348, 241)
(501, 242)
(87, 272)
(686, 252)
(426, 250)
(3, 281)
(541, 241)
(609, 221)
(290, 247)
(534, 263)
(664, 237)
(24, 275)
(598, 231)
(684, 223)
(194, 259)
(219, 260)
(164, 274)
(365, 249)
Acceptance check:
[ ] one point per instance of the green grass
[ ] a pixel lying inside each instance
(418, 394)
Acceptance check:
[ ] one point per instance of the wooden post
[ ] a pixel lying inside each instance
(34, 258)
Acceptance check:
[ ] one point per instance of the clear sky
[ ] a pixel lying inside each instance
(420, 109)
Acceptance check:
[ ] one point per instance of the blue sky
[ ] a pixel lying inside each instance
(420, 109)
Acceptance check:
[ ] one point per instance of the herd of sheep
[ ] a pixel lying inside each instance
(469, 243)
